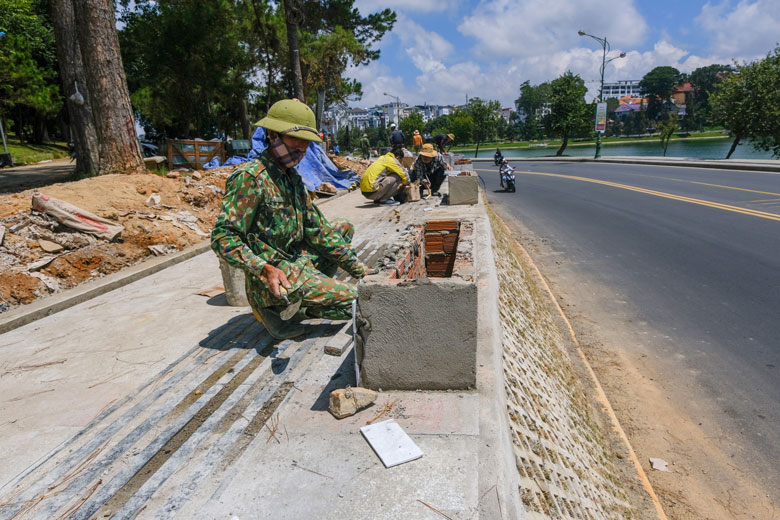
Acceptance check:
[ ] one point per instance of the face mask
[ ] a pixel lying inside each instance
(285, 156)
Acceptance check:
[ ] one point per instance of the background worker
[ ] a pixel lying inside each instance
(442, 140)
(268, 228)
(384, 179)
(429, 167)
(365, 147)
(397, 139)
(417, 141)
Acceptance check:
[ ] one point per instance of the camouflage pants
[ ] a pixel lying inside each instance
(321, 295)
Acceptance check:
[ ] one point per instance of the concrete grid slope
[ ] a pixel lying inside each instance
(567, 465)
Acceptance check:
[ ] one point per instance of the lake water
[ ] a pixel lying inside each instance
(700, 149)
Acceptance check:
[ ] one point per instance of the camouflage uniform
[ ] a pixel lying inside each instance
(267, 218)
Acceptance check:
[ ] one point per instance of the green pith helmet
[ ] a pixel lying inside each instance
(293, 118)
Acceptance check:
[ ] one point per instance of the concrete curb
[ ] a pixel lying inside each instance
(720, 164)
(497, 467)
(48, 306)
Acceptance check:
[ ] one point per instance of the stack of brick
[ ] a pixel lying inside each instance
(441, 242)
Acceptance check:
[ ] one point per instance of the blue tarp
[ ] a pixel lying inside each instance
(314, 169)
(231, 161)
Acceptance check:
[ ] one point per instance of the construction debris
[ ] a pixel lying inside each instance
(153, 200)
(40, 264)
(50, 247)
(391, 443)
(163, 249)
(328, 188)
(339, 342)
(185, 219)
(74, 217)
(659, 464)
(50, 283)
(347, 401)
(211, 291)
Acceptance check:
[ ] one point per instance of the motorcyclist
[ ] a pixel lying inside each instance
(498, 157)
(504, 170)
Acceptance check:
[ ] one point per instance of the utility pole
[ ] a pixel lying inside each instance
(604, 61)
(294, 17)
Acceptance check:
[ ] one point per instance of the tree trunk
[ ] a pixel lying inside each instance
(563, 146)
(294, 16)
(118, 148)
(320, 108)
(733, 146)
(246, 127)
(476, 152)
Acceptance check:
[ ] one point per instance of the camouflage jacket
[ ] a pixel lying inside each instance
(267, 217)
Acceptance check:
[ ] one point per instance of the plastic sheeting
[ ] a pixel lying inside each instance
(314, 169)
(231, 161)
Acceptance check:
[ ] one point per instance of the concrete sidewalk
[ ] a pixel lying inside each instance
(151, 401)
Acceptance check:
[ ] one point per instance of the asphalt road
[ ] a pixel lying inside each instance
(691, 258)
(20, 178)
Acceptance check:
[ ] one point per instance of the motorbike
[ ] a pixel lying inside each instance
(508, 178)
(498, 158)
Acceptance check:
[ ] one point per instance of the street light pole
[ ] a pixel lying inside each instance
(604, 61)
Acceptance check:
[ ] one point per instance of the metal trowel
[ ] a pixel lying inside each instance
(291, 308)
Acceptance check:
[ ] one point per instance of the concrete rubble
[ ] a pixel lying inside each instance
(149, 210)
(348, 401)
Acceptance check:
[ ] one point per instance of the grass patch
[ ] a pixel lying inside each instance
(33, 153)
(555, 143)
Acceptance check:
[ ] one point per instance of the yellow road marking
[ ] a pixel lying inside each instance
(700, 202)
(732, 188)
(762, 201)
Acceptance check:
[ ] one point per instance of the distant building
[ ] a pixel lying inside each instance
(618, 89)
(681, 93)
(632, 100)
(542, 111)
(506, 113)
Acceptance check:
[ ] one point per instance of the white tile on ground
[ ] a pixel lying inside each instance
(391, 443)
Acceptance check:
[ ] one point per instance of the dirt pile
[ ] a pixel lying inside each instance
(160, 215)
(38, 256)
(358, 166)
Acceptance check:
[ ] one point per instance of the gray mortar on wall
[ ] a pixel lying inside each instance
(463, 188)
(418, 333)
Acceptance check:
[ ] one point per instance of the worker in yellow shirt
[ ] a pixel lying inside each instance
(384, 179)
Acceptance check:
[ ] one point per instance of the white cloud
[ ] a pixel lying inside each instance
(426, 49)
(748, 31)
(376, 79)
(526, 28)
(424, 6)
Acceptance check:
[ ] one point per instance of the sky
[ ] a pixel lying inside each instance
(445, 51)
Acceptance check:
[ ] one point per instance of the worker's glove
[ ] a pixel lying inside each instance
(360, 270)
